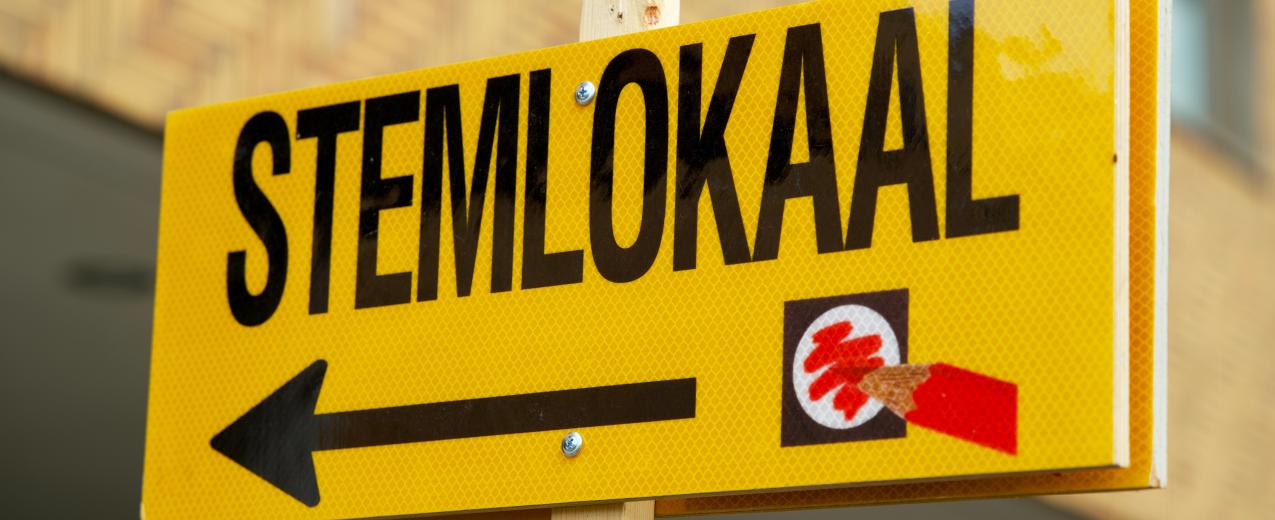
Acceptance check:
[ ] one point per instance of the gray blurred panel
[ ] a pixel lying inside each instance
(79, 194)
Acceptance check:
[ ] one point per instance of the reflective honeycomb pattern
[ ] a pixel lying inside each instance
(1147, 468)
(1034, 306)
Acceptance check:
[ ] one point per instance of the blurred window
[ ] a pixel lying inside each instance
(1213, 73)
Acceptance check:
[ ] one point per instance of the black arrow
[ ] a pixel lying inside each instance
(275, 439)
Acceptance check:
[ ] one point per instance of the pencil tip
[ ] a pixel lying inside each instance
(893, 386)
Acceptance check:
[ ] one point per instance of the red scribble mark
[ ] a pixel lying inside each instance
(850, 360)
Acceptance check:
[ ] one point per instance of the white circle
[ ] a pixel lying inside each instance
(865, 322)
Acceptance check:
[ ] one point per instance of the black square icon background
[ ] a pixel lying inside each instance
(797, 428)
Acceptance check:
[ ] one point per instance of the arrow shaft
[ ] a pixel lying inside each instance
(542, 411)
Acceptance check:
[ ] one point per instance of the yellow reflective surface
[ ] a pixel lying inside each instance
(1148, 467)
(1039, 306)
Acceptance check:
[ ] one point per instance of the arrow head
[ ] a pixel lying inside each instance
(274, 439)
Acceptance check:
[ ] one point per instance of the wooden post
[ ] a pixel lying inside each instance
(603, 19)
(606, 18)
(639, 510)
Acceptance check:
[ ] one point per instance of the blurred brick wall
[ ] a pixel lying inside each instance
(142, 58)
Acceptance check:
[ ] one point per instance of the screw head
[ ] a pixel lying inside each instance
(585, 92)
(571, 444)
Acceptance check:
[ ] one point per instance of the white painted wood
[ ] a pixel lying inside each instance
(606, 18)
(603, 19)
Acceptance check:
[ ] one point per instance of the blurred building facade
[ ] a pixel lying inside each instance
(137, 59)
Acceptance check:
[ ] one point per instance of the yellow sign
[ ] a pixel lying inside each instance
(1148, 228)
(840, 243)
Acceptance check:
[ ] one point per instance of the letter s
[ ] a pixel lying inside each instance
(254, 309)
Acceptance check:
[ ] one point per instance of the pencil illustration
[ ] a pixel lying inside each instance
(950, 400)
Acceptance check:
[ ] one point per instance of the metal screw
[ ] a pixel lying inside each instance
(571, 444)
(585, 92)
